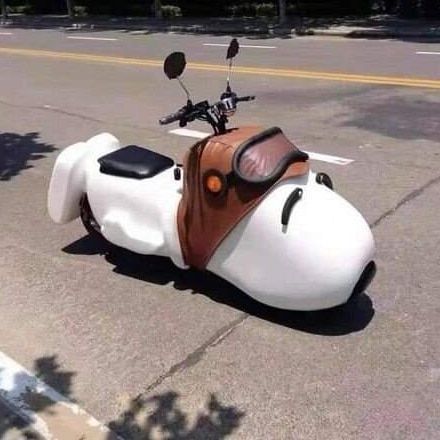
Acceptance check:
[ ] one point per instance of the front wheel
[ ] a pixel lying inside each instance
(88, 219)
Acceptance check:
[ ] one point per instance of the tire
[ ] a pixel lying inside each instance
(88, 219)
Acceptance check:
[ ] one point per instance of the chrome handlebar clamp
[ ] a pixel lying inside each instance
(229, 106)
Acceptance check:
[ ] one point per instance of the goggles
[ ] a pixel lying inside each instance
(265, 157)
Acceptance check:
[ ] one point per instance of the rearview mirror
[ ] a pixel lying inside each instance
(174, 65)
(232, 49)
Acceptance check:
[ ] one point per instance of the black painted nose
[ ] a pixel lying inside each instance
(365, 279)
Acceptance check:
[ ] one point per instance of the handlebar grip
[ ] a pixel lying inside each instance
(172, 117)
(245, 98)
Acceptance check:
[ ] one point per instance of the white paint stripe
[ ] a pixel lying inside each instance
(330, 159)
(308, 38)
(6, 33)
(241, 45)
(93, 38)
(190, 133)
(428, 53)
(314, 156)
(60, 418)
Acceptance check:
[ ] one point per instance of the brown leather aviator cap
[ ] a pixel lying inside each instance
(225, 177)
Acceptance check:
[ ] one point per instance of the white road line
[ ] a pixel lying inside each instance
(189, 133)
(330, 159)
(93, 38)
(314, 156)
(59, 418)
(428, 53)
(241, 45)
(6, 33)
(331, 39)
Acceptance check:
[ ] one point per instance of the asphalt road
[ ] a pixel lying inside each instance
(190, 355)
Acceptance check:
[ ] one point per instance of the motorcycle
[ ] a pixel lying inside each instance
(244, 205)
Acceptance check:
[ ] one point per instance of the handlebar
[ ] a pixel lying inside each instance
(190, 112)
(173, 116)
(244, 98)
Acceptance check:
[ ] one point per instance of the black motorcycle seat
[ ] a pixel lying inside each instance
(134, 162)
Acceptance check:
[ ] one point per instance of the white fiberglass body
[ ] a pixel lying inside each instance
(312, 263)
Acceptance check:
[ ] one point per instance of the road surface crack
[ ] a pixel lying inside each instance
(196, 356)
(408, 198)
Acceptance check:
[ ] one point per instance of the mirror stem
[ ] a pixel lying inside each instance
(228, 87)
(184, 88)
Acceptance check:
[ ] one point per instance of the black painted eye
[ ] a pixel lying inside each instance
(324, 179)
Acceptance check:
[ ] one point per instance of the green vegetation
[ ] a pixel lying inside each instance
(225, 8)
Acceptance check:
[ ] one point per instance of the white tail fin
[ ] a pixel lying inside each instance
(69, 176)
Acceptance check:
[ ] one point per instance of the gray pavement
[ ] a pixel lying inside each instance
(156, 352)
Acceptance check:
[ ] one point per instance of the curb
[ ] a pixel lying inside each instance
(200, 29)
(14, 424)
(371, 33)
(207, 29)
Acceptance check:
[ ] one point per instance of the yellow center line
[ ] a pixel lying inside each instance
(282, 73)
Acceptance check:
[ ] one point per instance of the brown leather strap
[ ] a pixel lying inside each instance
(205, 219)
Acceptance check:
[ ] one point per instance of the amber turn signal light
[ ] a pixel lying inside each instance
(214, 182)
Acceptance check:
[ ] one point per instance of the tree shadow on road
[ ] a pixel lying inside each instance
(49, 371)
(144, 418)
(352, 317)
(23, 396)
(17, 150)
(14, 427)
(160, 415)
